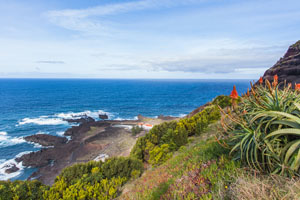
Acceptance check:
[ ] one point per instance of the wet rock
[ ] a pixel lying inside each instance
(103, 116)
(85, 119)
(13, 168)
(46, 140)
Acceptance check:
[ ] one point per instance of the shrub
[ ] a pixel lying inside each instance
(136, 130)
(222, 101)
(102, 190)
(159, 155)
(93, 172)
(30, 190)
(174, 134)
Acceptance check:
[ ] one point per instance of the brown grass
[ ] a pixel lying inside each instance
(261, 187)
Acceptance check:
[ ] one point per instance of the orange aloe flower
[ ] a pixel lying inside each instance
(297, 86)
(234, 93)
(261, 80)
(276, 78)
(275, 82)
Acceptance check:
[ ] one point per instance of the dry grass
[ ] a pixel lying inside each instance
(260, 187)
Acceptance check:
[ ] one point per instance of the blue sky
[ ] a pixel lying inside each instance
(195, 39)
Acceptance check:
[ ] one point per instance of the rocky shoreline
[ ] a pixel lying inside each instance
(90, 140)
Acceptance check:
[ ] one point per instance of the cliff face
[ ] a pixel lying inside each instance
(288, 67)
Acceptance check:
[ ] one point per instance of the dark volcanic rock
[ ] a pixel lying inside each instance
(288, 67)
(80, 120)
(84, 127)
(11, 169)
(103, 116)
(46, 140)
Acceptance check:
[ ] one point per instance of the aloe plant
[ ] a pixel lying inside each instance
(265, 129)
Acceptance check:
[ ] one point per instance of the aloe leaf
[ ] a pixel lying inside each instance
(285, 131)
(294, 118)
(295, 166)
(291, 150)
(287, 123)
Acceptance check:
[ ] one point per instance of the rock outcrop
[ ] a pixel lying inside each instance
(46, 140)
(288, 67)
(11, 169)
(103, 116)
(80, 120)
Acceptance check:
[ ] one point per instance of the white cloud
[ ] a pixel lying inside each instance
(89, 20)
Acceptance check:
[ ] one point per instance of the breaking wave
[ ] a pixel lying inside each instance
(6, 164)
(6, 140)
(58, 119)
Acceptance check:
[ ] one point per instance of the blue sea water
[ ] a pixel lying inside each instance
(33, 106)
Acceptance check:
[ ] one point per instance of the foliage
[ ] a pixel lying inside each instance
(30, 190)
(265, 133)
(136, 130)
(102, 190)
(159, 155)
(92, 180)
(199, 171)
(222, 101)
(96, 171)
(156, 146)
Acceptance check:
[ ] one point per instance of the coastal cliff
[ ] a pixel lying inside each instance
(288, 67)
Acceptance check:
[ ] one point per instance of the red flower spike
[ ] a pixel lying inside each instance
(297, 87)
(276, 78)
(275, 82)
(234, 93)
(261, 80)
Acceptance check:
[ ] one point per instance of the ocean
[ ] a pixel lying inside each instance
(35, 106)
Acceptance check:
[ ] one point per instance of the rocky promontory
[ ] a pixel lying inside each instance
(288, 67)
(46, 140)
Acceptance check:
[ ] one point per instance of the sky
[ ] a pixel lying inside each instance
(148, 39)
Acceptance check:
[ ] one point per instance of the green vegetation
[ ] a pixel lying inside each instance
(222, 101)
(92, 180)
(202, 170)
(265, 130)
(30, 190)
(163, 139)
(136, 130)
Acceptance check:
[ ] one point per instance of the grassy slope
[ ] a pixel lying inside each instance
(203, 170)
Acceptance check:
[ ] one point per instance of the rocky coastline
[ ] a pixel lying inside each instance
(90, 140)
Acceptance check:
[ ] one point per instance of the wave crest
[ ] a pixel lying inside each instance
(6, 164)
(6, 140)
(58, 119)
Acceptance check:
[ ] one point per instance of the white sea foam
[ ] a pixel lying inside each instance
(60, 133)
(74, 115)
(122, 119)
(58, 119)
(41, 132)
(43, 120)
(3, 133)
(6, 164)
(181, 115)
(6, 140)
(35, 145)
